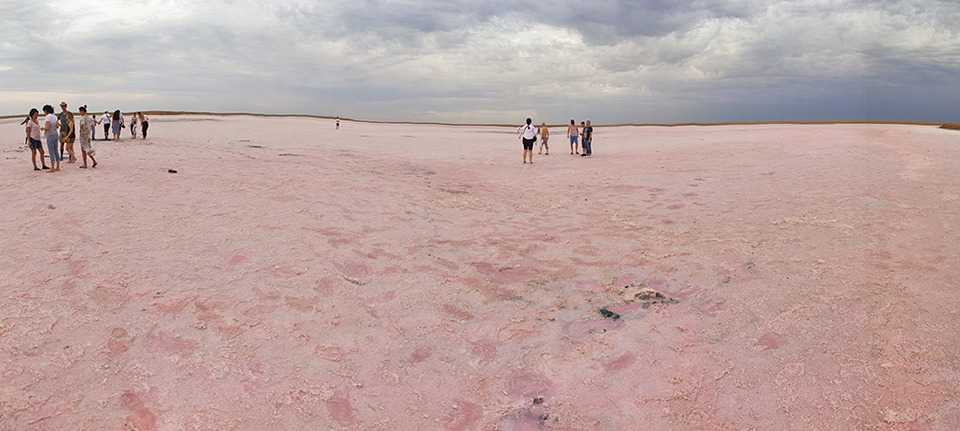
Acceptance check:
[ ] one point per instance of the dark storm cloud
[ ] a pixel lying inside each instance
(687, 60)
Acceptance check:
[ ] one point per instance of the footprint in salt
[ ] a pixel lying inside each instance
(530, 421)
(771, 341)
(464, 415)
(119, 341)
(592, 286)
(341, 411)
(529, 386)
(140, 418)
(509, 274)
(580, 330)
(354, 272)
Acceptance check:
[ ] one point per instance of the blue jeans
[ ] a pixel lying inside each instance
(53, 148)
(586, 146)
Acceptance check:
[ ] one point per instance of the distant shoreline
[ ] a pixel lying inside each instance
(727, 123)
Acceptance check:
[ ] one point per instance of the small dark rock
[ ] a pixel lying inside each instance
(609, 314)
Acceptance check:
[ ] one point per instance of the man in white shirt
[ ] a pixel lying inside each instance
(105, 119)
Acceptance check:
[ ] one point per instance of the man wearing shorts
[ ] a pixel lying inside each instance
(528, 134)
(574, 134)
(587, 140)
(544, 137)
(67, 135)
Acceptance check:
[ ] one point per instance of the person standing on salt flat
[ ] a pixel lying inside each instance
(528, 134)
(574, 136)
(105, 119)
(544, 137)
(86, 124)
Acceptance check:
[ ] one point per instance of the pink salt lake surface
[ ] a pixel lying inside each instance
(414, 277)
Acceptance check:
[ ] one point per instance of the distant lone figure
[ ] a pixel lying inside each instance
(338, 123)
(574, 135)
(528, 134)
(544, 137)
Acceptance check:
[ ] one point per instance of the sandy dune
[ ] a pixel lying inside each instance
(415, 277)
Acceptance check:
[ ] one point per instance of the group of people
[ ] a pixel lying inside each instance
(115, 123)
(63, 129)
(581, 138)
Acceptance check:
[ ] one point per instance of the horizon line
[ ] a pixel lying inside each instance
(721, 123)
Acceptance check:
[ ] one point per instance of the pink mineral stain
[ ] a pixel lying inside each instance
(306, 305)
(141, 418)
(675, 206)
(464, 416)
(282, 272)
(526, 386)
(624, 280)
(172, 346)
(235, 260)
(420, 355)
(330, 353)
(485, 350)
(384, 297)
(354, 270)
(770, 341)
(622, 362)
(580, 330)
(457, 312)
(447, 264)
(119, 341)
(627, 309)
(341, 411)
(527, 421)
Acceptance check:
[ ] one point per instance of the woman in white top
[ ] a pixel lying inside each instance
(528, 134)
(50, 126)
(34, 139)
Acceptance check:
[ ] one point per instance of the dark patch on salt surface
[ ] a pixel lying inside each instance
(609, 314)
(254, 146)
(290, 155)
(538, 400)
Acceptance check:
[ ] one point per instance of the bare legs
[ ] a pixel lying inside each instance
(85, 158)
(527, 153)
(73, 157)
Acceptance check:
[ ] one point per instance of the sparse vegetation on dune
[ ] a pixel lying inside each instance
(951, 126)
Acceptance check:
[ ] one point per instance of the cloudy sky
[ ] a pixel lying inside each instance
(490, 61)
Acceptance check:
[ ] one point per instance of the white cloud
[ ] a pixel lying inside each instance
(689, 60)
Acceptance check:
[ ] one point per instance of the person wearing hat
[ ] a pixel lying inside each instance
(67, 134)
